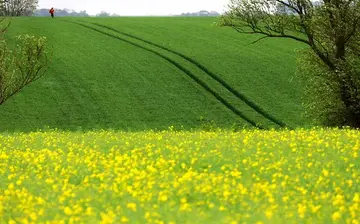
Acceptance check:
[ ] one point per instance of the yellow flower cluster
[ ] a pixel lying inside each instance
(302, 176)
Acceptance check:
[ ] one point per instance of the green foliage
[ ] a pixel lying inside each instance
(322, 93)
(31, 57)
(6, 68)
(349, 79)
(331, 29)
(24, 65)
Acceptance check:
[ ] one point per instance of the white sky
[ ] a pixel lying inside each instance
(137, 7)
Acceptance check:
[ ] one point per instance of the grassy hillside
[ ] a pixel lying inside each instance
(264, 71)
(148, 73)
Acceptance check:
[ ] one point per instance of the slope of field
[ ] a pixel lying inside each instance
(264, 72)
(302, 176)
(108, 80)
(98, 82)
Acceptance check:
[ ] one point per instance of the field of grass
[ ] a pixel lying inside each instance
(302, 176)
(151, 73)
(263, 72)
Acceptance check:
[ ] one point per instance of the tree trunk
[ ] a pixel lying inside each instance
(352, 114)
(340, 47)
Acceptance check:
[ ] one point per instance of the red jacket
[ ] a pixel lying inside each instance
(51, 11)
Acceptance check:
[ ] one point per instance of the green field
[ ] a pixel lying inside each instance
(151, 73)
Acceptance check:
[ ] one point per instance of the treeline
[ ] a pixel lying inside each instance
(60, 12)
(28, 8)
(201, 13)
(69, 12)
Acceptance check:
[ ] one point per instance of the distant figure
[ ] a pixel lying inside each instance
(52, 11)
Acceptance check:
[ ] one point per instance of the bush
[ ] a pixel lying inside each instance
(23, 66)
(331, 98)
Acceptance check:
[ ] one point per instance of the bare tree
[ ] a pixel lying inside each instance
(17, 7)
(23, 66)
(329, 27)
(2, 8)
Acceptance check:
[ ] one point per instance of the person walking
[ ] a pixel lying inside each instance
(52, 11)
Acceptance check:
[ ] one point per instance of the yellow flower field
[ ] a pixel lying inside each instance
(302, 176)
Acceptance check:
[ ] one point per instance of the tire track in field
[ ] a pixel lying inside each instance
(183, 69)
(217, 78)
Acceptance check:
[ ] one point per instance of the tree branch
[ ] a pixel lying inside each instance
(354, 29)
(289, 6)
(271, 35)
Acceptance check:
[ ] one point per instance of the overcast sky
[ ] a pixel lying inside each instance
(137, 7)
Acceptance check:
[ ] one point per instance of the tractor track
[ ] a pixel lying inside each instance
(218, 79)
(183, 69)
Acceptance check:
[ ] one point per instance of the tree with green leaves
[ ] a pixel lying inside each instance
(330, 64)
(22, 66)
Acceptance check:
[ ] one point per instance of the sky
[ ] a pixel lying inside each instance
(137, 7)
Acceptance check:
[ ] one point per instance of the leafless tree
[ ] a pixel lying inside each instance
(17, 7)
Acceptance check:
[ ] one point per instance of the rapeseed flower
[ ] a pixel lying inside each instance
(177, 177)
